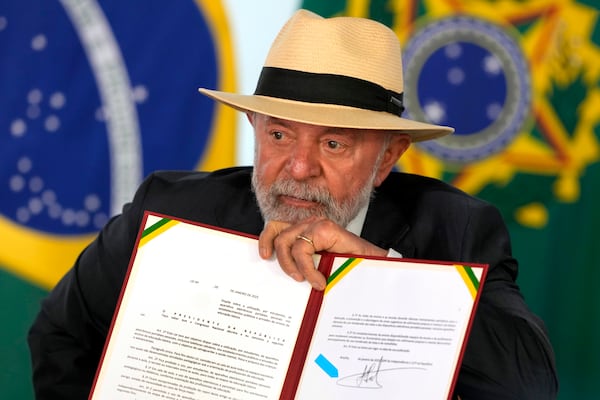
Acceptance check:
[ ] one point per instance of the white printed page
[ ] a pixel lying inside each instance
(203, 317)
(389, 330)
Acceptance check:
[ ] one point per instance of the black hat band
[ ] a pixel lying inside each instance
(328, 89)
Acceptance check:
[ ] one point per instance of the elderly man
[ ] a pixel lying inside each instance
(328, 131)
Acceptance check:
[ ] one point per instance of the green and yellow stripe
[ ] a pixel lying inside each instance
(156, 229)
(470, 279)
(341, 272)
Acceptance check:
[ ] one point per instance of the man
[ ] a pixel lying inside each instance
(328, 131)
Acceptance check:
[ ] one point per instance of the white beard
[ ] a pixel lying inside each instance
(339, 212)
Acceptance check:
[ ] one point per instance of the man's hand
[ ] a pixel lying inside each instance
(295, 244)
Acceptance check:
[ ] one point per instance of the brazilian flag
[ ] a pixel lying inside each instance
(95, 95)
(98, 93)
(519, 82)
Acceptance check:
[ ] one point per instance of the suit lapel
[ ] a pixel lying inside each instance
(240, 212)
(248, 221)
(387, 227)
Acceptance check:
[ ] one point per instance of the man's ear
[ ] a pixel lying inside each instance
(250, 115)
(399, 143)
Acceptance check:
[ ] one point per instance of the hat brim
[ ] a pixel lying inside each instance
(329, 114)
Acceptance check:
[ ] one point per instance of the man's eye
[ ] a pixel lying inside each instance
(333, 145)
(277, 135)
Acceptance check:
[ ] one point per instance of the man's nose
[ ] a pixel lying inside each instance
(304, 162)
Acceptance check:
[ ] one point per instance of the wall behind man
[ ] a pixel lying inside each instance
(81, 124)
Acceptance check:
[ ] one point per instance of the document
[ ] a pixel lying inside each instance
(202, 316)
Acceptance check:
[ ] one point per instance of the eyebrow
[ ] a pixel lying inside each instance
(274, 120)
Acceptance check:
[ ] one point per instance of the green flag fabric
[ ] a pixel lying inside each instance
(20, 302)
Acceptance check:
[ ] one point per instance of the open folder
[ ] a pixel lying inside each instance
(202, 316)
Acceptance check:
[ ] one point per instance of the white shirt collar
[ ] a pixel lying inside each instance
(355, 226)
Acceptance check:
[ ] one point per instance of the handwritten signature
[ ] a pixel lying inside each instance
(369, 377)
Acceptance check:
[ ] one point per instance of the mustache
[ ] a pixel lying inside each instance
(301, 190)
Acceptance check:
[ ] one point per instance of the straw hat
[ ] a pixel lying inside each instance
(344, 72)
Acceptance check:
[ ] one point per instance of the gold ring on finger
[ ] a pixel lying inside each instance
(307, 240)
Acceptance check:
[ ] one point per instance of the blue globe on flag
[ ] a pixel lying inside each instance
(91, 105)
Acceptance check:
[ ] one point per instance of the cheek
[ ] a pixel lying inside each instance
(345, 183)
(267, 165)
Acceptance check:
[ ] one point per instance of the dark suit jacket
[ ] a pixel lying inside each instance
(508, 354)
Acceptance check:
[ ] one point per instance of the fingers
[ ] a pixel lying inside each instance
(302, 262)
(267, 237)
(295, 246)
(295, 255)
